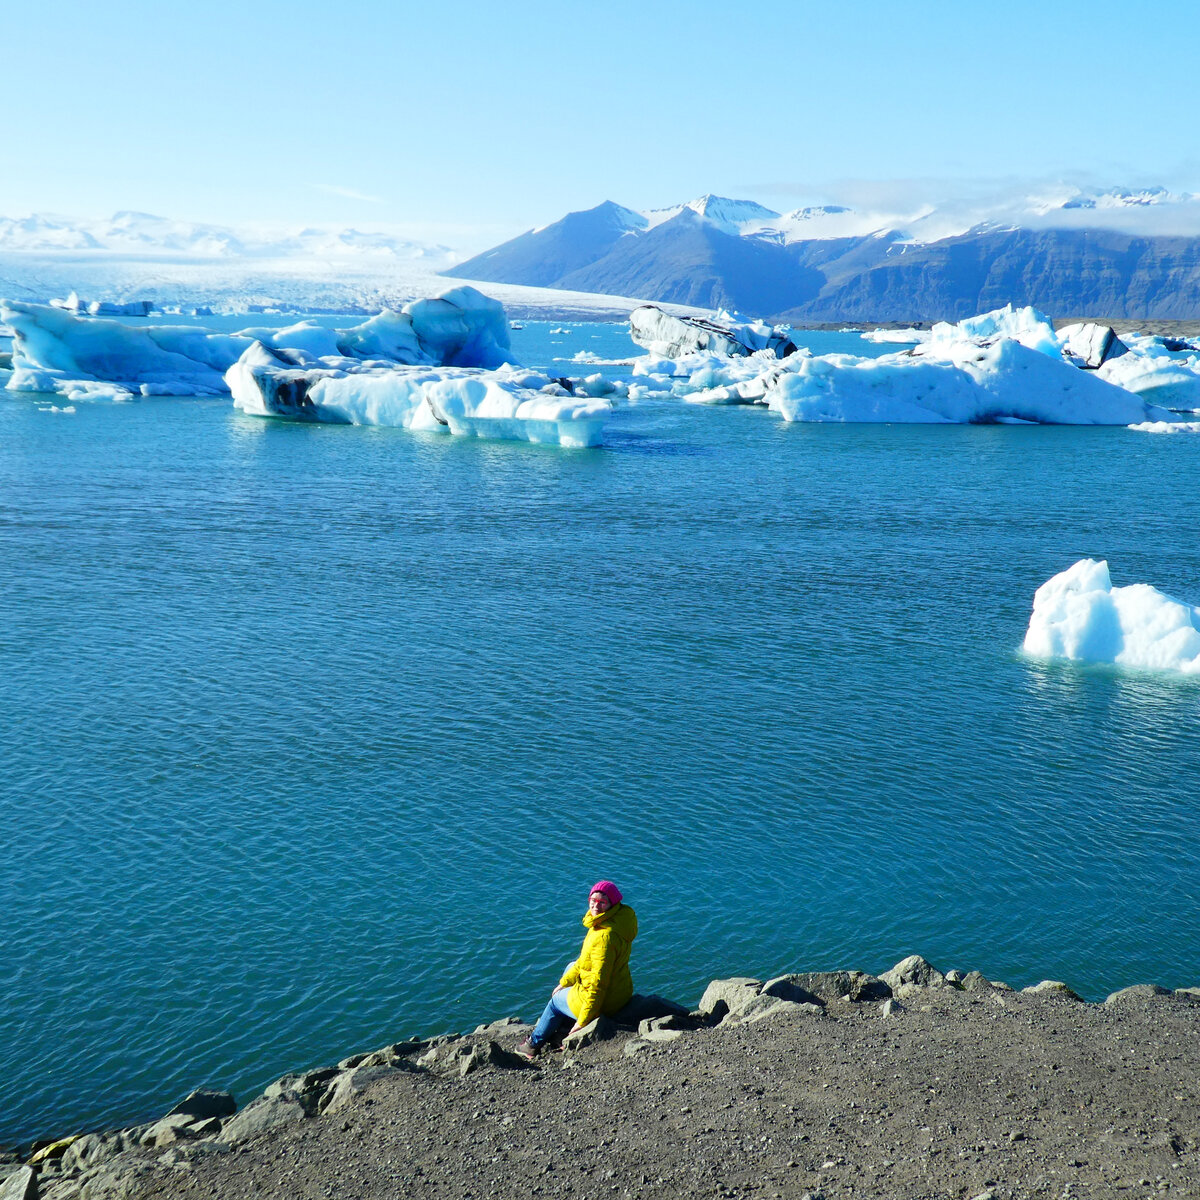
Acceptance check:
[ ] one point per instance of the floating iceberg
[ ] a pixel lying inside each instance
(1079, 615)
(1162, 371)
(105, 308)
(508, 403)
(712, 379)
(85, 358)
(671, 337)
(957, 382)
(1153, 370)
(1008, 365)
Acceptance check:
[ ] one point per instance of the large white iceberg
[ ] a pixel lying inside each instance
(83, 358)
(959, 382)
(509, 403)
(1079, 615)
(1007, 365)
(1163, 373)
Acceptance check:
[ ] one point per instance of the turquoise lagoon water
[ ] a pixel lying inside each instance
(315, 736)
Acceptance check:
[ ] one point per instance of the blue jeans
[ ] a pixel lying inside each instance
(557, 1010)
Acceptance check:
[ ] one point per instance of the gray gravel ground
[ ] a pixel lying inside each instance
(996, 1094)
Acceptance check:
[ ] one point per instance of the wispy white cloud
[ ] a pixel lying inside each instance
(333, 189)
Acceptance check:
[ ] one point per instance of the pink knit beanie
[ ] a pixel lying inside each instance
(609, 889)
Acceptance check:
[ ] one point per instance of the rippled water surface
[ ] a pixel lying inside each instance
(315, 736)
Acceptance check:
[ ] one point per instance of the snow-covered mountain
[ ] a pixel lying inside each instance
(1117, 252)
(1057, 206)
(730, 216)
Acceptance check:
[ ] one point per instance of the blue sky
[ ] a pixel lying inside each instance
(470, 121)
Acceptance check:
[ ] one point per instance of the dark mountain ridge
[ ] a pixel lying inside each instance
(690, 259)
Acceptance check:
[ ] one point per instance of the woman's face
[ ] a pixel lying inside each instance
(598, 902)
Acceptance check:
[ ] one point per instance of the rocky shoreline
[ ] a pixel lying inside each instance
(834, 1084)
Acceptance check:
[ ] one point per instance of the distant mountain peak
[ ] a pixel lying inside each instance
(723, 211)
(625, 216)
(608, 213)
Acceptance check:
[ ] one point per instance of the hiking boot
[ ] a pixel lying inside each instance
(528, 1050)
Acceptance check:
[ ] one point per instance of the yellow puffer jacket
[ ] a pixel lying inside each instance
(599, 978)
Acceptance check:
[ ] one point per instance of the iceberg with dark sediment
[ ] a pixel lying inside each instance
(94, 358)
(1079, 615)
(1090, 345)
(509, 403)
(665, 336)
(1008, 365)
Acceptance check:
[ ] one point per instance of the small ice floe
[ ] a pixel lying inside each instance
(910, 337)
(509, 403)
(1167, 426)
(562, 329)
(1079, 615)
(589, 358)
(54, 408)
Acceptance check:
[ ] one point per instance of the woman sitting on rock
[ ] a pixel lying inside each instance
(598, 981)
